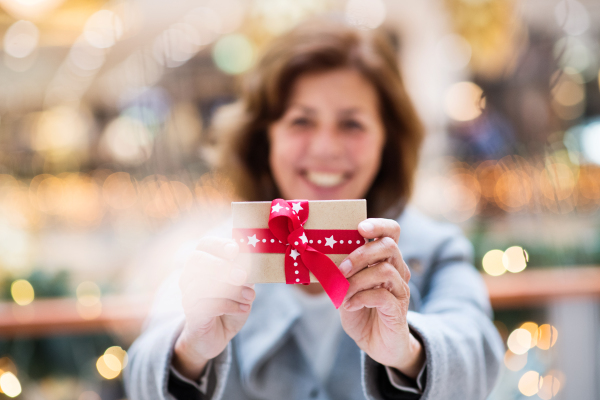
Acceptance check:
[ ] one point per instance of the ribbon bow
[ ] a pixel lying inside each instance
(286, 221)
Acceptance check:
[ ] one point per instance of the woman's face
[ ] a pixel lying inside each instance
(328, 143)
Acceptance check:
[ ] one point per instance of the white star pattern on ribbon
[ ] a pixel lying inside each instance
(303, 238)
(297, 207)
(330, 241)
(276, 208)
(253, 240)
(294, 254)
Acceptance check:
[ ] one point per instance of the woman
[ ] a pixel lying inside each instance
(324, 115)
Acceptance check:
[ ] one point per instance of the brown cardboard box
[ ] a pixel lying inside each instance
(327, 214)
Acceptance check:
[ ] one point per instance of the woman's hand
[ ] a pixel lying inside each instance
(216, 303)
(375, 307)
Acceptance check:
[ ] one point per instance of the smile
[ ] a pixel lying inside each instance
(326, 179)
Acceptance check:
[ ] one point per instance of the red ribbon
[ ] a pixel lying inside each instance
(286, 234)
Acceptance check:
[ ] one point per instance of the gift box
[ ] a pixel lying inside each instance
(298, 241)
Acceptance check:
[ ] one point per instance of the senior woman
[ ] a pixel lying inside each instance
(325, 115)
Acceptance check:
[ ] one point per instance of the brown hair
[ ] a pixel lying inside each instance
(315, 46)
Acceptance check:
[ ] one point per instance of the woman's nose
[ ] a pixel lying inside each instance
(326, 142)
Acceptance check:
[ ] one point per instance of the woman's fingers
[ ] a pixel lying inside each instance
(198, 289)
(211, 307)
(374, 228)
(383, 275)
(212, 268)
(381, 299)
(383, 249)
(219, 247)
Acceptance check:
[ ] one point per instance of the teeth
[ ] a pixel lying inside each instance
(325, 179)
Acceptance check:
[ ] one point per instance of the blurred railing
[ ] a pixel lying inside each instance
(126, 314)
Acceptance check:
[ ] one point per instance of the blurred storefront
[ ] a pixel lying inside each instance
(105, 148)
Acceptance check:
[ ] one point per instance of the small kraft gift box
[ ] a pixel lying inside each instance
(298, 241)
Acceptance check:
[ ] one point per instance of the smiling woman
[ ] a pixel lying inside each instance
(328, 143)
(337, 94)
(324, 116)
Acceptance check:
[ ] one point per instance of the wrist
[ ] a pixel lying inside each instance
(412, 364)
(186, 361)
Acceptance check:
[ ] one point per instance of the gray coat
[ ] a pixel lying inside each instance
(449, 309)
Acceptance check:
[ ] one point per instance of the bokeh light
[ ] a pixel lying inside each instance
(88, 293)
(464, 101)
(127, 140)
(530, 383)
(519, 341)
(22, 292)
(549, 388)
(492, 263)
(119, 354)
(547, 336)
(233, 54)
(105, 370)
(10, 385)
(21, 39)
(514, 259)
(572, 17)
(515, 362)
(532, 328)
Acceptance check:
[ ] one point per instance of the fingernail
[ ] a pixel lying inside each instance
(346, 305)
(244, 307)
(248, 294)
(367, 226)
(238, 275)
(346, 267)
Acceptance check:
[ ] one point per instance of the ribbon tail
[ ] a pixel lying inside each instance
(328, 274)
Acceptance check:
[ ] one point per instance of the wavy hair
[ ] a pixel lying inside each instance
(317, 46)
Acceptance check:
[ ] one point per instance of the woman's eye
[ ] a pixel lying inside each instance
(302, 122)
(351, 125)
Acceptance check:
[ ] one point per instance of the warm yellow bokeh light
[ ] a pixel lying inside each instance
(492, 262)
(112, 362)
(22, 292)
(514, 259)
(105, 370)
(10, 384)
(515, 362)
(119, 353)
(532, 328)
(464, 101)
(549, 388)
(519, 341)
(88, 293)
(530, 383)
(546, 336)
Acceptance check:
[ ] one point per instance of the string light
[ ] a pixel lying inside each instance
(530, 383)
(10, 385)
(22, 292)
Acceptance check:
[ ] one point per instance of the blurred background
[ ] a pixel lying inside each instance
(105, 147)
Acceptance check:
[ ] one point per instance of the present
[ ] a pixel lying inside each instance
(298, 241)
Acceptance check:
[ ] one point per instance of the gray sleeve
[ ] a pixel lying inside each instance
(462, 346)
(147, 372)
